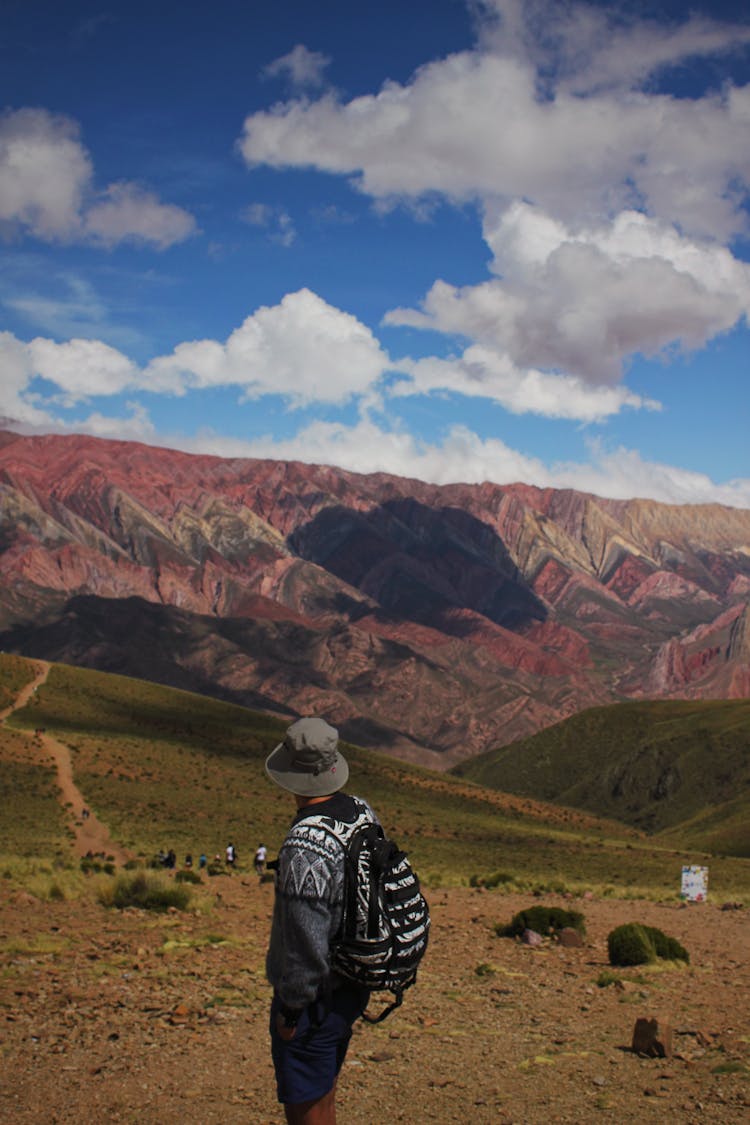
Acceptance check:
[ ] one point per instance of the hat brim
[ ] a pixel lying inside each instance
(304, 783)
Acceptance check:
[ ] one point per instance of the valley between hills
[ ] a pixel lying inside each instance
(124, 1015)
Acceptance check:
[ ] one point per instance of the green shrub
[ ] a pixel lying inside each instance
(732, 1066)
(95, 867)
(544, 920)
(634, 944)
(668, 948)
(187, 876)
(491, 881)
(145, 891)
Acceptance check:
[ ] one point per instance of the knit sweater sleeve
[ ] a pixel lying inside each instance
(307, 914)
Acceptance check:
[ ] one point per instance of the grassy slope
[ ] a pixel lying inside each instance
(15, 673)
(165, 768)
(681, 769)
(32, 823)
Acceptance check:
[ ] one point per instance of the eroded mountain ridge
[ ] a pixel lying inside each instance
(432, 621)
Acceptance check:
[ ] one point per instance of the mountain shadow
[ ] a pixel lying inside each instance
(145, 640)
(420, 563)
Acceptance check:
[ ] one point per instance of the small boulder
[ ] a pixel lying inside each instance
(570, 938)
(531, 937)
(652, 1036)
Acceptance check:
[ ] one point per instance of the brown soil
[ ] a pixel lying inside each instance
(110, 1016)
(101, 1021)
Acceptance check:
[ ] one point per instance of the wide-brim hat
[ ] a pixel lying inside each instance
(308, 762)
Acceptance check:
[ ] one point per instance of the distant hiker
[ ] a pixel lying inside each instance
(231, 855)
(260, 860)
(84, 814)
(202, 862)
(188, 860)
(171, 859)
(313, 1009)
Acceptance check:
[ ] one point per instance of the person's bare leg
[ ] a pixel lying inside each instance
(320, 1112)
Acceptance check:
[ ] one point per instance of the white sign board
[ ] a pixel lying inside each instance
(694, 883)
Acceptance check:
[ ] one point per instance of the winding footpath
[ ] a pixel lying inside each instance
(91, 835)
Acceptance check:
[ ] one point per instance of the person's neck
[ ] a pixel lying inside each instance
(303, 802)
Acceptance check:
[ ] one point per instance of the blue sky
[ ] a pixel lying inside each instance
(460, 241)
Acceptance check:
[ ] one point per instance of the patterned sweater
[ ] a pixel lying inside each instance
(308, 905)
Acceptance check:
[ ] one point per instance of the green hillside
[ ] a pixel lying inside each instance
(15, 673)
(677, 769)
(167, 769)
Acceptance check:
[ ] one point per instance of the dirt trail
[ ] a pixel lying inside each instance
(91, 835)
(25, 694)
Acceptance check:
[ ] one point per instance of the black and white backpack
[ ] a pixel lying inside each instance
(386, 921)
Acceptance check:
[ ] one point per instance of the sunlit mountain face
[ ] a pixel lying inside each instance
(432, 622)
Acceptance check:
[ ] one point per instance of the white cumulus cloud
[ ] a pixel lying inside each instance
(462, 456)
(485, 373)
(81, 368)
(47, 190)
(476, 125)
(15, 374)
(623, 474)
(580, 301)
(302, 348)
(608, 207)
(44, 173)
(369, 448)
(301, 66)
(127, 212)
(584, 47)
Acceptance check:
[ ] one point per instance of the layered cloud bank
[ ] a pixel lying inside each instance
(306, 351)
(606, 206)
(583, 300)
(611, 210)
(560, 116)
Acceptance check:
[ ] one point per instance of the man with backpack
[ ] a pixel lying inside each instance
(312, 1011)
(320, 988)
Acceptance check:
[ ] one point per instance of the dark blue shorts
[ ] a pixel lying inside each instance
(307, 1065)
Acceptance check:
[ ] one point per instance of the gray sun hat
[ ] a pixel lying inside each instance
(308, 762)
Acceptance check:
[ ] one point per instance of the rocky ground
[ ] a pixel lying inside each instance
(110, 1016)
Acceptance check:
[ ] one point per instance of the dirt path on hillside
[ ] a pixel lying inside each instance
(25, 694)
(91, 835)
